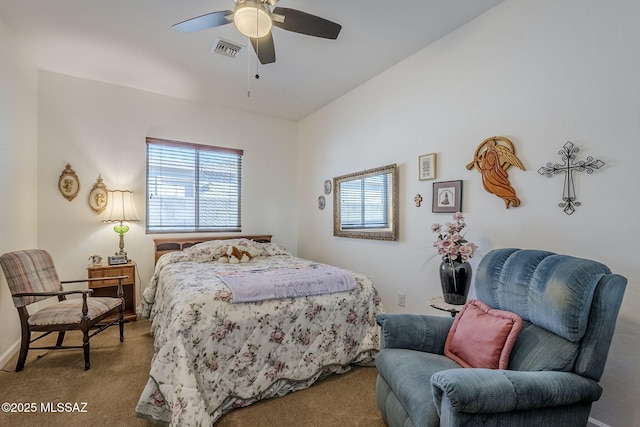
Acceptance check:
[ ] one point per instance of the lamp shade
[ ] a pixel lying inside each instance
(252, 18)
(121, 207)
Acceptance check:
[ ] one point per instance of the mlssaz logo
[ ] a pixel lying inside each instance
(63, 407)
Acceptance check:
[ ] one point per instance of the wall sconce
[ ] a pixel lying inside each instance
(121, 209)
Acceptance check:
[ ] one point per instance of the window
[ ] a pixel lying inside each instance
(365, 204)
(192, 187)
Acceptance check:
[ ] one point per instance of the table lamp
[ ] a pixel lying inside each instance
(121, 209)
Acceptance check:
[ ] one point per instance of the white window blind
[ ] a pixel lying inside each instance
(364, 203)
(192, 187)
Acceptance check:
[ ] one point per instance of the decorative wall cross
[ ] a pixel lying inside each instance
(418, 200)
(568, 154)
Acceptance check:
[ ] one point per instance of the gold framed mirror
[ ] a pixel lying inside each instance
(365, 204)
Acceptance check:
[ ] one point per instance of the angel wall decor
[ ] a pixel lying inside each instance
(492, 159)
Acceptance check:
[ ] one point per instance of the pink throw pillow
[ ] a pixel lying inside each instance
(482, 337)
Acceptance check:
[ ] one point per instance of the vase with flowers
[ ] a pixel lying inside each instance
(455, 270)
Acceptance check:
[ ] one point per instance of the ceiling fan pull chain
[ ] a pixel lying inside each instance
(257, 48)
(248, 72)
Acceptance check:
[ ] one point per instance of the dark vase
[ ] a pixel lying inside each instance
(455, 277)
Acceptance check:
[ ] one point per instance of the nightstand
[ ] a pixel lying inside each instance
(108, 288)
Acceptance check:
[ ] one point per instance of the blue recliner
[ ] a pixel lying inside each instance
(569, 308)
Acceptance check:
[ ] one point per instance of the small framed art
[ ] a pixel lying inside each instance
(327, 187)
(321, 202)
(98, 196)
(427, 166)
(447, 196)
(68, 183)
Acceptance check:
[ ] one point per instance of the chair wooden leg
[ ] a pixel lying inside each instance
(60, 338)
(85, 346)
(24, 348)
(121, 323)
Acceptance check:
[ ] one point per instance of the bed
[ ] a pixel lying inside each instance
(213, 354)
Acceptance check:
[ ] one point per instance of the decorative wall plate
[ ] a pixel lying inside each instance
(68, 183)
(98, 196)
(327, 187)
(321, 202)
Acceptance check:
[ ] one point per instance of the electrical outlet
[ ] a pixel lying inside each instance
(401, 296)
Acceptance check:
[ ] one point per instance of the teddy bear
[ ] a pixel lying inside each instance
(235, 256)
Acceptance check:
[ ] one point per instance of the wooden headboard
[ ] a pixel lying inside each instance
(166, 245)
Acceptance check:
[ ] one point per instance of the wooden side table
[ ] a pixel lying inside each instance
(439, 304)
(108, 288)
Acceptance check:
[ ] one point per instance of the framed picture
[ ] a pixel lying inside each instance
(98, 196)
(427, 166)
(447, 196)
(68, 183)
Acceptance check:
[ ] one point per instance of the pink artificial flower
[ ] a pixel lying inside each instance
(450, 243)
(446, 244)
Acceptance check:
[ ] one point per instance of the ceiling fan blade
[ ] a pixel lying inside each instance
(264, 48)
(305, 23)
(204, 22)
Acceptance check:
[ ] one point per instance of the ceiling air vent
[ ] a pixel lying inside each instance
(226, 48)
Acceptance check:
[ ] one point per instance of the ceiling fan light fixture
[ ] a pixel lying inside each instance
(252, 18)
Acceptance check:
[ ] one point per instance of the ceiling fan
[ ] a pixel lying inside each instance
(254, 19)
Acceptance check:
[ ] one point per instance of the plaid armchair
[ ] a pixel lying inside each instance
(32, 277)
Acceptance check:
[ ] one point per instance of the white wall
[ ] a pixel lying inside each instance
(18, 186)
(100, 129)
(539, 73)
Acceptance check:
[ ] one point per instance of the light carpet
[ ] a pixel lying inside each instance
(106, 395)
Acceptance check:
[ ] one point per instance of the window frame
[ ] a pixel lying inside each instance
(388, 232)
(197, 227)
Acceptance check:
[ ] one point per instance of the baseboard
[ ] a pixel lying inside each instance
(596, 423)
(7, 355)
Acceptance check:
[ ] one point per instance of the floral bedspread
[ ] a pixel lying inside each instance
(212, 356)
